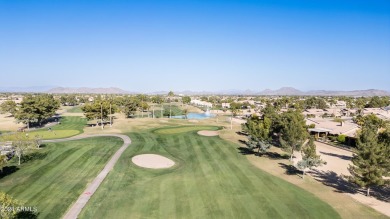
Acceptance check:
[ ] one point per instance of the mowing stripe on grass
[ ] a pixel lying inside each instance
(211, 180)
(53, 183)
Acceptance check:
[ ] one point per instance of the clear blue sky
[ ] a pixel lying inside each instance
(196, 45)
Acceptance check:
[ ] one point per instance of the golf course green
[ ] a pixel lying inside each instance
(69, 126)
(211, 179)
(54, 176)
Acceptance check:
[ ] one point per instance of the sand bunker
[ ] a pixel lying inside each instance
(208, 133)
(152, 161)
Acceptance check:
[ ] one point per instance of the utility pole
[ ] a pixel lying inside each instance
(231, 121)
(101, 113)
(110, 116)
(142, 106)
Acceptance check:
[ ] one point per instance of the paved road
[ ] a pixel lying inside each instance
(76, 208)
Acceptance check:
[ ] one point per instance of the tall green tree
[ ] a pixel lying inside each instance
(384, 138)
(186, 99)
(310, 158)
(370, 159)
(8, 106)
(144, 106)
(98, 110)
(293, 131)
(360, 102)
(157, 99)
(315, 103)
(68, 100)
(37, 108)
(377, 102)
(130, 107)
(270, 112)
(369, 119)
(258, 130)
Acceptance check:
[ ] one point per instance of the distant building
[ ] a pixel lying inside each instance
(325, 127)
(338, 105)
(202, 103)
(226, 105)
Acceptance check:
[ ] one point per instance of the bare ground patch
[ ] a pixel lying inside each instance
(208, 133)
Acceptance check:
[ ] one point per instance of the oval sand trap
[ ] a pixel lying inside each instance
(208, 133)
(152, 161)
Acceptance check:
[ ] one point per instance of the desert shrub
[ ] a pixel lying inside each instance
(341, 139)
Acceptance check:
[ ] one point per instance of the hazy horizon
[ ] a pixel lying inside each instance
(49, 87)
(147, 46)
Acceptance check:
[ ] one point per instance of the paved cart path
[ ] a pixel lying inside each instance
(76, 208)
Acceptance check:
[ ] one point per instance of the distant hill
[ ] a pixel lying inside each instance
(284, 91)
(33, 89)
(86, 90)
(289, 91)
(357, 93)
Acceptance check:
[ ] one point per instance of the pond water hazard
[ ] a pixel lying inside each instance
(195, 116)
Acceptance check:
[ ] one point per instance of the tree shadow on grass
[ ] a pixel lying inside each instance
(290, 169)
(270, 155)
(342, 185)
(277, 156)
(26, 215)
(241, 133)
(245, 151)
(34, 156)
(382, 193)
(8, 170)
(344, 157)
(330, 178)
(242, 142)
(42, 146)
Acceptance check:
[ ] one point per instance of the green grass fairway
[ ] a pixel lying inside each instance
(211, 180)
(53, 182)
(70, 126)
(76, 109)
(183, 129)
(55, 134)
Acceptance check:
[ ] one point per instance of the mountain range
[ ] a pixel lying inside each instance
(284, 91)
(289, 91)
(87, 90)
(33, 89)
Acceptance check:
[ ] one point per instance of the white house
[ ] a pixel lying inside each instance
(202, 103)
